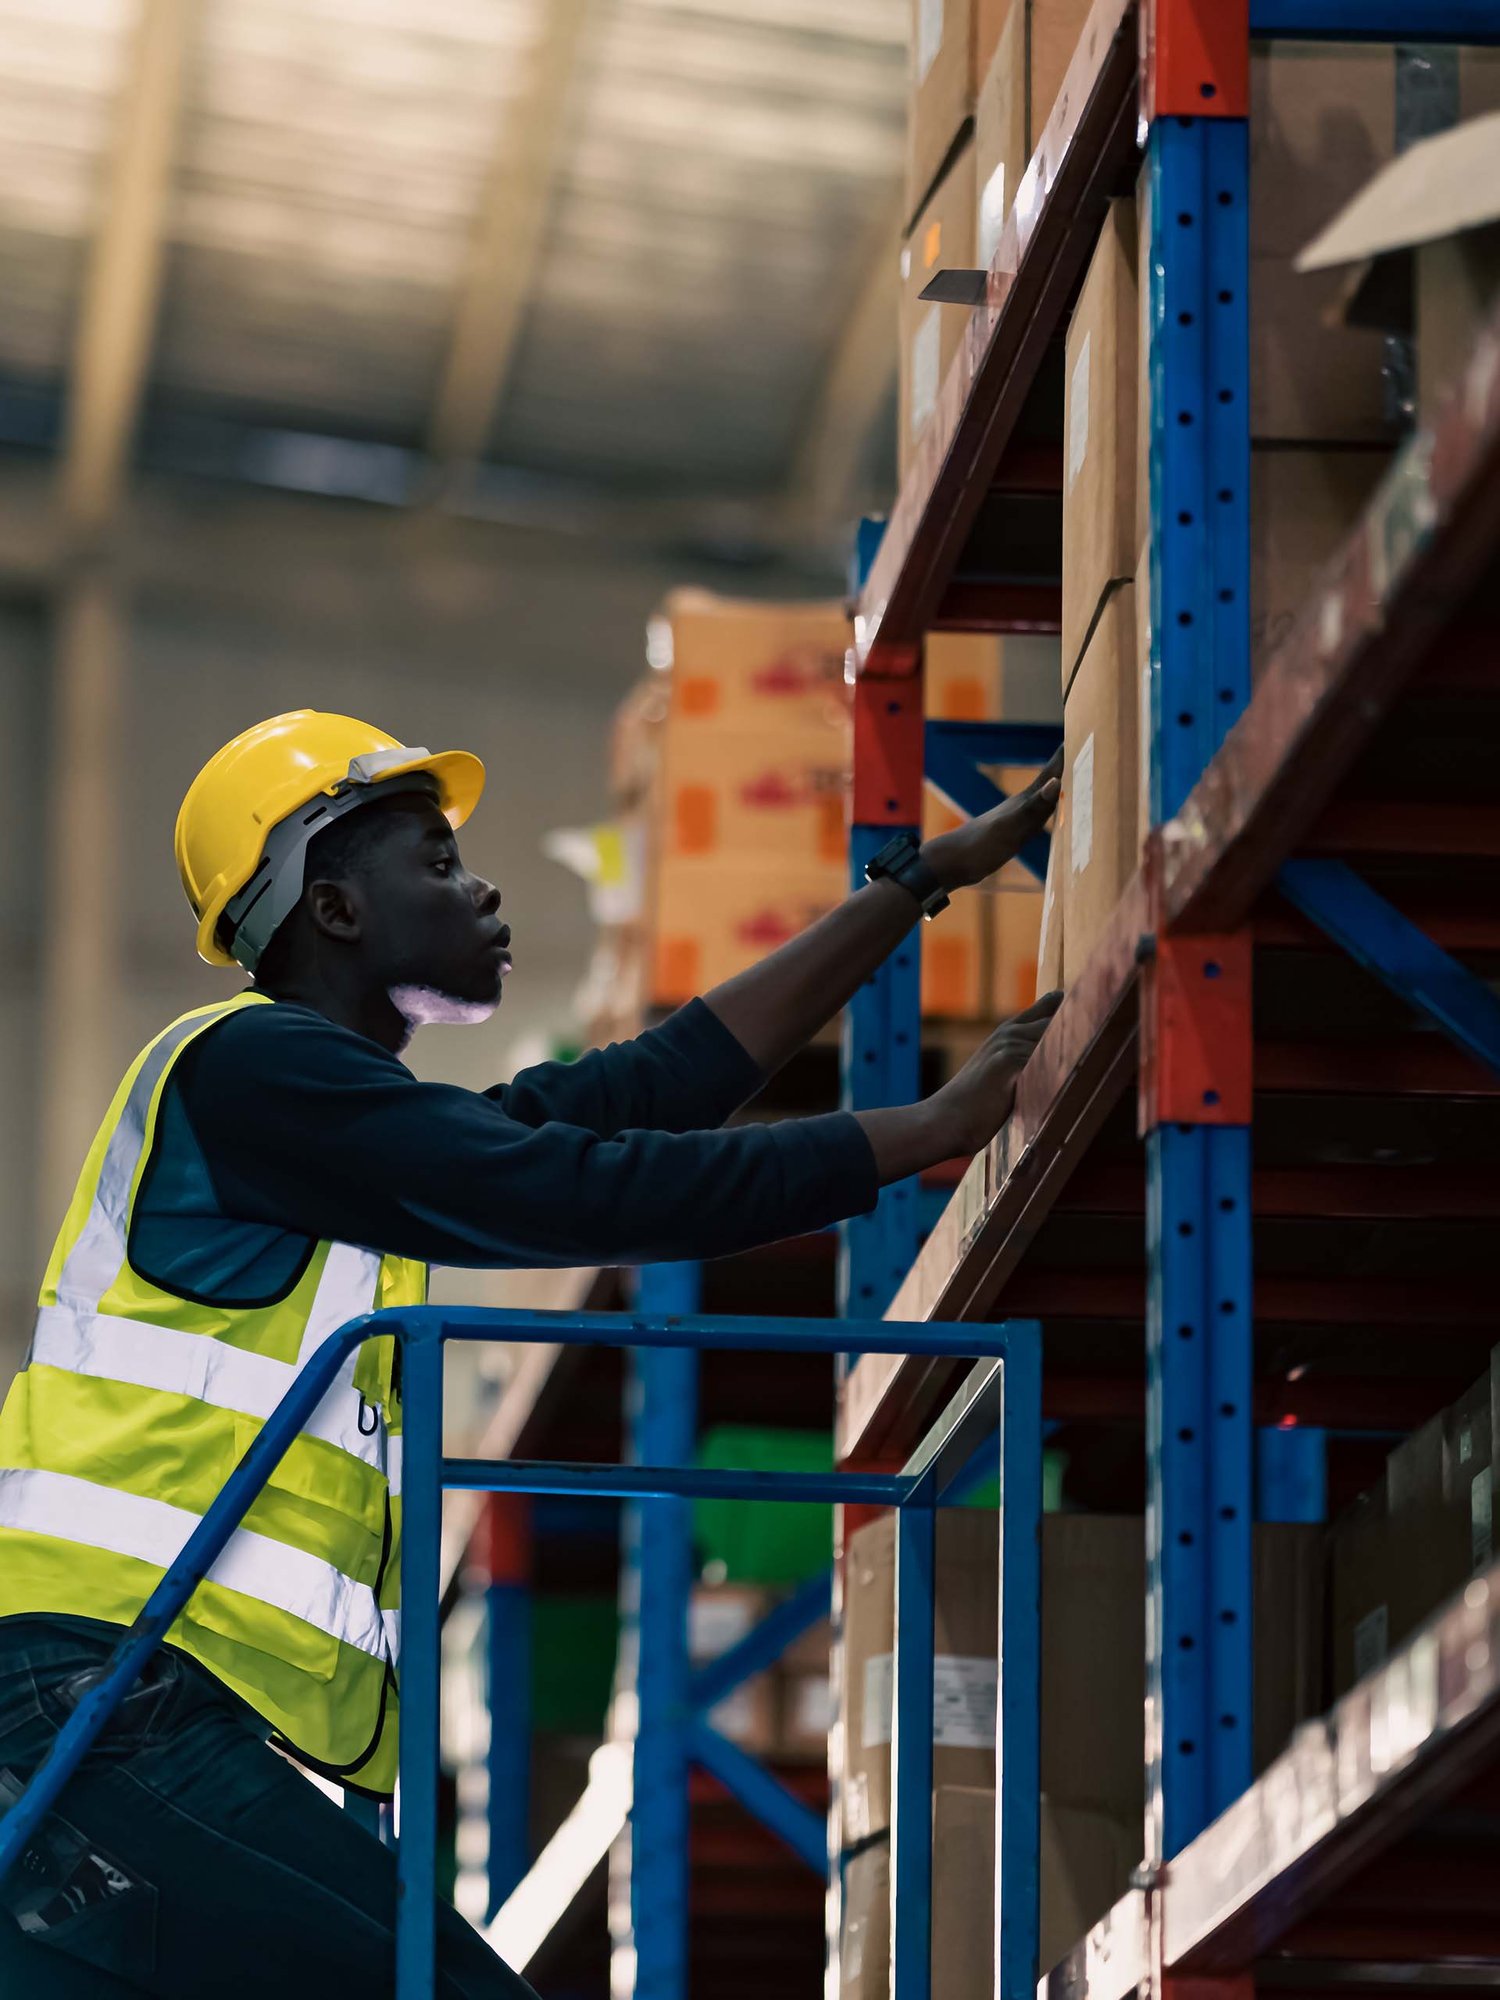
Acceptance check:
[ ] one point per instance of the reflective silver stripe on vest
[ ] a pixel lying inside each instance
(95, 1260)
(195, 1364)
(154, 1531)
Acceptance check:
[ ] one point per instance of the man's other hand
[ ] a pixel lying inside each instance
(977, 1101)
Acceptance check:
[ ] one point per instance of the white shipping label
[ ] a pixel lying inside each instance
(963, 1701)
(991, 215)
(1371, 1641)
(1481, 1520)
(1078, 412)
(1081, 807)
(929, 35)
(926, 370)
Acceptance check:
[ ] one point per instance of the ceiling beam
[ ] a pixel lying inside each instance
(506, 249)
(124, 273)
(822, 493)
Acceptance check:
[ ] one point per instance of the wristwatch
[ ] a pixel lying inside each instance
(901, 860)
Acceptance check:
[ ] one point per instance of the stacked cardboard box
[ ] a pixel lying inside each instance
(979, 958)
(1424, 241)
(729, 771)
(783, 1714)
(1406, 1547)
(1092, 1682)
(1101, 708)
(952, 43)
(1002, 62)
(1017, 94)
(963, 1904)
(930, 335)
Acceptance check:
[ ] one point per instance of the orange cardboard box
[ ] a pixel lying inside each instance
(1015, 951)
(716, 915)
(731, 659)
(953, 945)
(756, 791)
(963, 676)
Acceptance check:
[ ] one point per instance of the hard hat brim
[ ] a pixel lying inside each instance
(460, 781)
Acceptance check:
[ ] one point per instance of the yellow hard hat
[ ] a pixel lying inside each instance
(267, 775)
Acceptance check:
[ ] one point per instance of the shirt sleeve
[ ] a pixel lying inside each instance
(310, 1127)
(689, 1073)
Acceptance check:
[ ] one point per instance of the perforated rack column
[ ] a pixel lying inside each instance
(1196, 1024)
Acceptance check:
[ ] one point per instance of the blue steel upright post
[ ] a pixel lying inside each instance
(649, 1916)
(1196, 1026)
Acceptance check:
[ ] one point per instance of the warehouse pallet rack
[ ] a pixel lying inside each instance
(1291, 1221)
(1352, 800)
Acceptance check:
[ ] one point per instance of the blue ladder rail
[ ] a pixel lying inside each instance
(1004, 1394)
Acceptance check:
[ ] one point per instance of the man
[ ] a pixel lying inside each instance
(268, 1170)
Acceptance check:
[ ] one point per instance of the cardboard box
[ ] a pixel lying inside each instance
(719, 1616)
(715, 915)
(731, 659)
(1031, 677)
(1322, 122)
(952, 45)
(1093, 1655)
(865, 1936)
(962, 676)
(1015, 950)
(1424, 234)
(967, 1620)
(942, 238)
(1099, 476)
(805, 1715)
(1100, 721)
(1322, 119)
(963, 1904)
(955, 946)
(1303, 503)
(1412, 1543)
(963, 1892)
(1289, 1600)
(756, 793)
(1016, 95)
(1094, 1663)
(1360, 1579)
(1087, 1859)
(1049, 944)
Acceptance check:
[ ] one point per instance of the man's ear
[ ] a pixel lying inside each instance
(334, 910)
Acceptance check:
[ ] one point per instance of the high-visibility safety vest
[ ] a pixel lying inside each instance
(135, 1405)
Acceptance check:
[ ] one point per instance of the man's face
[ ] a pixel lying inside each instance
(426, 923)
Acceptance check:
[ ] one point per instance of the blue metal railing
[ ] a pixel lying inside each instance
(1003, 1394)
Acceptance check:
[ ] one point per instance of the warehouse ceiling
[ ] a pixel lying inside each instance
(639, 247)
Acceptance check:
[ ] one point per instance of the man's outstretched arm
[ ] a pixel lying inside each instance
(776, 1007)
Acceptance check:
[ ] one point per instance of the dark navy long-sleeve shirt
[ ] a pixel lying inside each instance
(279, 1128)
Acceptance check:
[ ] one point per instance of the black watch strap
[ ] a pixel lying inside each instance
(901, 860)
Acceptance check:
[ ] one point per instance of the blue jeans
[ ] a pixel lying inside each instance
(186, 1858)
